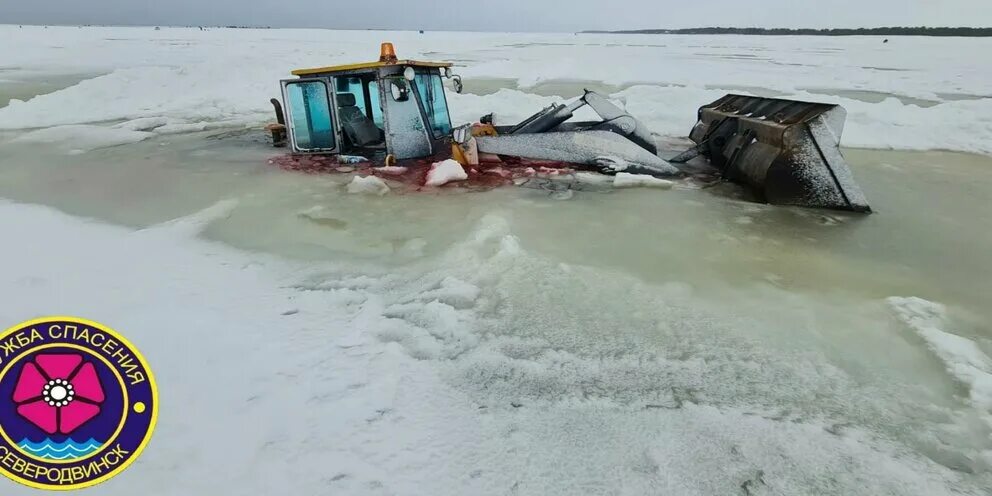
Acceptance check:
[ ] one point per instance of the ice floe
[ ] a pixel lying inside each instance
(444, 172)
(82, 138)
(368, 185)
(627, 180)
(961, 356)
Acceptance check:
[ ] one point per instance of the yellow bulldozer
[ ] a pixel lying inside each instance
(394, 112)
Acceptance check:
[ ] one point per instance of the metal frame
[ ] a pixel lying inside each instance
(333, 110)
(366, 95)
(368, 65)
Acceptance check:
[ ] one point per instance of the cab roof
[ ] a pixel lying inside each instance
(387, 58)
(368, 65)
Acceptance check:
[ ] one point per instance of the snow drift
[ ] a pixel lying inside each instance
(371, 382)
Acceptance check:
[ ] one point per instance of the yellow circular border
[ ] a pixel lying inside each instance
(120, 425)
(151, 382)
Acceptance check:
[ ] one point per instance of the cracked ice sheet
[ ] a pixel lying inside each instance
(277, 376)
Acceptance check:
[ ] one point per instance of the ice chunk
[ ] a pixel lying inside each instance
(193, 224)
(143, 123)
(444, 172)
(368, 185)
(179, 127)
(454, 292)
(961, 356)
(83, 138)
(627, 180)
(594, 178)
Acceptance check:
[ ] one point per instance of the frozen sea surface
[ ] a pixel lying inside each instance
(911, 93)
(517, 341)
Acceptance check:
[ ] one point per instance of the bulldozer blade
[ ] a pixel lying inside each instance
(787, 150)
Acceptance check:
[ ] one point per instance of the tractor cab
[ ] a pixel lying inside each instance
(374, 109)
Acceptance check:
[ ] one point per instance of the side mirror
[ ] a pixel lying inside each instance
(457, 81)
(400, 90)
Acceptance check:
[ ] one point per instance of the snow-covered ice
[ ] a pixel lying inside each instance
(962, 357)
(382, 383)
(82, 138)
(913, 93)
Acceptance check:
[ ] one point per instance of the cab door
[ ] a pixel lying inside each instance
(407, 135)
(311, 115)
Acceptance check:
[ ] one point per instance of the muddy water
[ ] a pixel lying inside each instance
(929, 235)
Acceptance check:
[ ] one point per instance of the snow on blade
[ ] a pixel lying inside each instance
(442, 173)
(613, 163)
(588, 147)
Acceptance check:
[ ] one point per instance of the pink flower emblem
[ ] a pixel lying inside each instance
(58, 392)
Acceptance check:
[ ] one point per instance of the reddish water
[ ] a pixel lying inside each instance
(413, 173)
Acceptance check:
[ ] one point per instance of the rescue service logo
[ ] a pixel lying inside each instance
(78, 403)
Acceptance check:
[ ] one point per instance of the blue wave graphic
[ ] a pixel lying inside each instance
(60, 451)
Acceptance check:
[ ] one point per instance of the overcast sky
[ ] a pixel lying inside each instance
(504, 15)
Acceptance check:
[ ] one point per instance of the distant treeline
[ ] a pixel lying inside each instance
(890, 31)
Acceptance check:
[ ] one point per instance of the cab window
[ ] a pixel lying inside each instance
(366, 92)
(359, 110)
(376, 108)
(431, 92)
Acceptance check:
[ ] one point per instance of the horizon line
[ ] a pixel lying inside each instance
(584, 31)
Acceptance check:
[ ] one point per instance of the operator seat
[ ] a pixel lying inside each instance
(361, 130)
